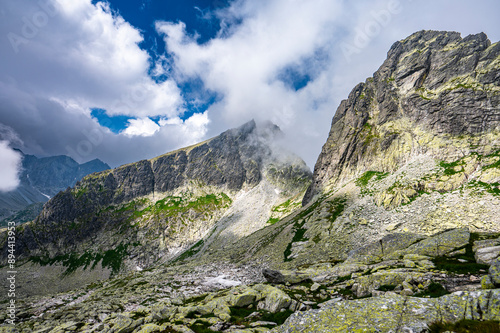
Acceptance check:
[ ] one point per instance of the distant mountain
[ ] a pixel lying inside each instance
(41, 179)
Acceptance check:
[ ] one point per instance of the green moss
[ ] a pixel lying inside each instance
(466, 326)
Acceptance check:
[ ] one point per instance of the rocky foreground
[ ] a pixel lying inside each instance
(402, 283)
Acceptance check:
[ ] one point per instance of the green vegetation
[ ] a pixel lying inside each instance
(278, 317)
(297, 237)
(337, 207)
(387, 287)
(111, 259)
(272, 220)
(201, 327)
(450, 168)
(77, 193)
(466, 326)
(368, 175)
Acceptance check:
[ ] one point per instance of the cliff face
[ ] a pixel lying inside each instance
(436, 94)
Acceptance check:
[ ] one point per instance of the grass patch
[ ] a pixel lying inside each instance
(238, 315)
(201, 327)
(368, 175)
(272, 220)
(466, 326)
(138, 315)
(337, 208)
(453, 265)
(449, 168)
(112, 259)
(278, 317)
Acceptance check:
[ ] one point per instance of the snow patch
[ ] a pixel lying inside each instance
(221, 280)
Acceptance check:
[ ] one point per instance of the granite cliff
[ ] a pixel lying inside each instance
(399, 230)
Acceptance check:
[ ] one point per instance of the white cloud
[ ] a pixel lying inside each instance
(142, 127)
(85, 53)
(10, 164)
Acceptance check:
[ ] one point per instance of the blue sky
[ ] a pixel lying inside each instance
(127, 80)
(143, 15)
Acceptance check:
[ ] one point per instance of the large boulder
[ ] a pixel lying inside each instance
(395, 313)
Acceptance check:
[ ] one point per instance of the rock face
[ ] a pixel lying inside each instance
(40, 179)
(436, 94)
(148, 212)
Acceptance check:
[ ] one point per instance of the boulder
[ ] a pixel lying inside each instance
(395, 313)
(441, 244)
(494, 272)
(486, 255)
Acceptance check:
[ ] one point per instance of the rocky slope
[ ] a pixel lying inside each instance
(149, 212)
(41, 179)
(399, 232)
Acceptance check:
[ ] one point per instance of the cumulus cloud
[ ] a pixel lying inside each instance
(10, 164)
(143, 127)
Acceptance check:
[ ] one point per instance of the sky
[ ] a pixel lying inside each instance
(128, 80)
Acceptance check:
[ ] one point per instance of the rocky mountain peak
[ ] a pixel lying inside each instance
(434, 90)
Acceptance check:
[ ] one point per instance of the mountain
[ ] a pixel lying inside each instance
(436, 95)
(151, 211)
(41, 179)
(399, 229)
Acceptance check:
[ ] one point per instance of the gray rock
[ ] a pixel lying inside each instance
(494, 272)
(392, 312)
(487, 255)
